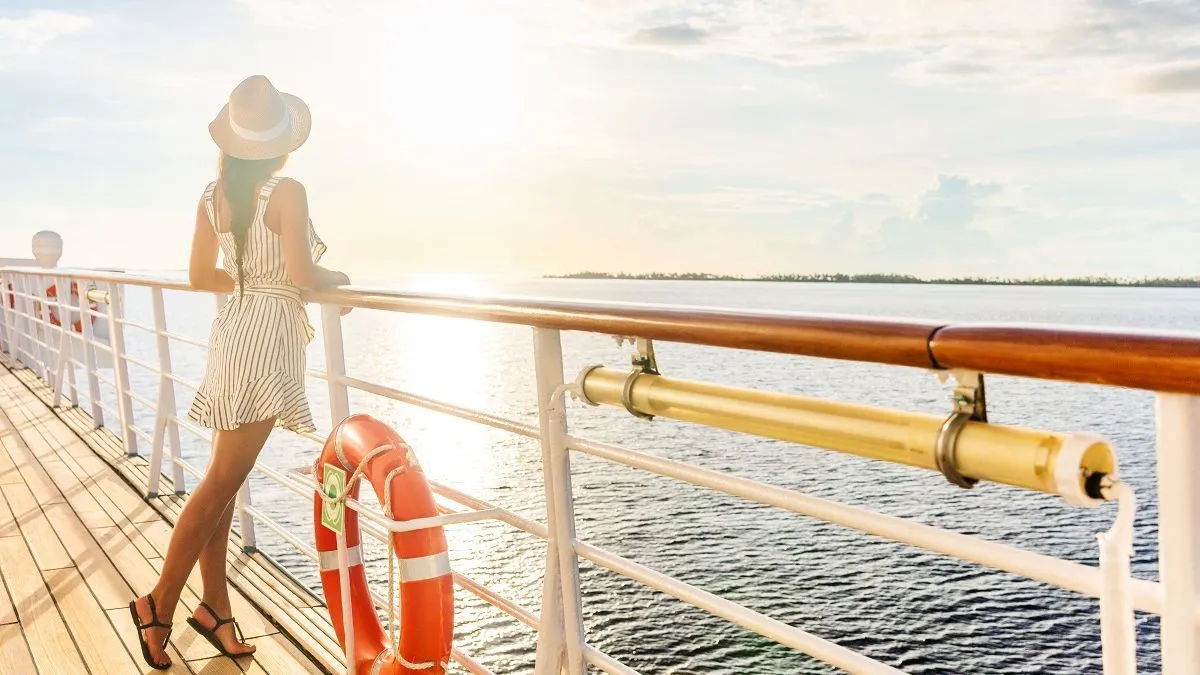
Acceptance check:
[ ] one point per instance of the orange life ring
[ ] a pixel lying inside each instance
(426, 586)
(52, 292)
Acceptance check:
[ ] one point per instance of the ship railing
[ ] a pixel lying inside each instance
(963, 446)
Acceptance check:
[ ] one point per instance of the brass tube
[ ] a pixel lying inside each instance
(988, 452)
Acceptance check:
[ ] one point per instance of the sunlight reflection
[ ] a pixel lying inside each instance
(449, 80)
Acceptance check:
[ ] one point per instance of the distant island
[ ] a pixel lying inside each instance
(1158, 282)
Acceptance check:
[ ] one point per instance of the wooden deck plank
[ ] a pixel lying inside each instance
(294, 622)
(95, 637)
(14, 651)
(117, 499)
(300, 594)
(128, 503)
(31, 471)
(117, 551)
(8, 613)
(120, 620)
(98, 571)
(250, 620)
(77, 495)
(278, 656)
(8, 468)
(135, 534)
(8, 523)
(50, 644)
(217, 666)
(143, 575)
(47, 549)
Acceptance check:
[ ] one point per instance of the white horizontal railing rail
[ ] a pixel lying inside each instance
(30, 336)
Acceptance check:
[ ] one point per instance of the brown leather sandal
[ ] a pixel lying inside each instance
(153, 623)
(210, 634)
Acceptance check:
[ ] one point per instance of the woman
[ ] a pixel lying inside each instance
(254, 379)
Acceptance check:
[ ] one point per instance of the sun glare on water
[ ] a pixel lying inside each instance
(447, 80)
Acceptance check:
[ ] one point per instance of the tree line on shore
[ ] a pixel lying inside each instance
(1155, 282)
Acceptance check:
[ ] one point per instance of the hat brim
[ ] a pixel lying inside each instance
(300, 123)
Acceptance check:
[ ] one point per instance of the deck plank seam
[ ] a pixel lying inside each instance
(114, 459)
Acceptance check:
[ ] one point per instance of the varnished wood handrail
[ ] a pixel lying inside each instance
(894, 342)
(1149, 360)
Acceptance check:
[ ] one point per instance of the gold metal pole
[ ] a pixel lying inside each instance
(1015, 456)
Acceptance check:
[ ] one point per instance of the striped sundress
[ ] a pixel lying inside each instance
(256, 359)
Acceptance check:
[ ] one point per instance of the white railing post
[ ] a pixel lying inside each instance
(21, 323)
(120, 367)
(41, 332)
(245, 520)
(6, 332)
(33, 353)
(164, 430)
(561, 561)
(64, 374)
(89, 358)
(335, 363)
(64, 310)
(48, 355)
(1178, 419)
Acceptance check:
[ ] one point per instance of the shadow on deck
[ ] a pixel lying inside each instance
(77, 542)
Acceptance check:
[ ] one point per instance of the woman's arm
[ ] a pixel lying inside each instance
(289, 210)
(203, 273)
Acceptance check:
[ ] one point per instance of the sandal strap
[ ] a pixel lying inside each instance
(217, 617)
(154, 620)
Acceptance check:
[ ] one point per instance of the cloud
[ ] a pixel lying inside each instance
(1170, 80)
(673, 35)
(28, 34)
(748, 200)
(940, 235)
(59, 123)
(1076, 45)
(952, 204)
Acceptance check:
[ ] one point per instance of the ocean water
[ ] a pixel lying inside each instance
(918, 611)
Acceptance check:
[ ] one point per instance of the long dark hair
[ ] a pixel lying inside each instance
(238, 179)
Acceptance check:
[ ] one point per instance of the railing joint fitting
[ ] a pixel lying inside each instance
(970, 405)
(643, 363)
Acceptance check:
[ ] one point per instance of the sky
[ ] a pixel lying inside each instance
(931, 137)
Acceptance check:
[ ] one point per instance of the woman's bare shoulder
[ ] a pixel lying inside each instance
(288, 204)
(290, 188)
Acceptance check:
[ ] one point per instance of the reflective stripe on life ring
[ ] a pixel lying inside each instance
(426, 585)
(52, 292)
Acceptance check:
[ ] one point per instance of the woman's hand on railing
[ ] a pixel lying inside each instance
(331, 279)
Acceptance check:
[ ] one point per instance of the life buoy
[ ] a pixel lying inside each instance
(52, 292)
(426, 586)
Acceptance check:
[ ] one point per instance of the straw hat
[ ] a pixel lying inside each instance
(260, 122)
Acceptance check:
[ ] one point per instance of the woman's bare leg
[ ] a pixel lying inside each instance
(234, 453)
(216, 589)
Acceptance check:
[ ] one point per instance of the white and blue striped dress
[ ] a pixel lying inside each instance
(256, 359)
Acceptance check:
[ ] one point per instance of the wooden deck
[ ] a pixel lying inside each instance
(77, 542)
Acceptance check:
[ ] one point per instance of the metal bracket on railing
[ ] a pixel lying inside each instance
(94, 294)
(644, 363)
(970, 405)
(643, 354)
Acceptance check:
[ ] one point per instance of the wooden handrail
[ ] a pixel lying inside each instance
(1149, 360)
(893, 342)
(1154, 361)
